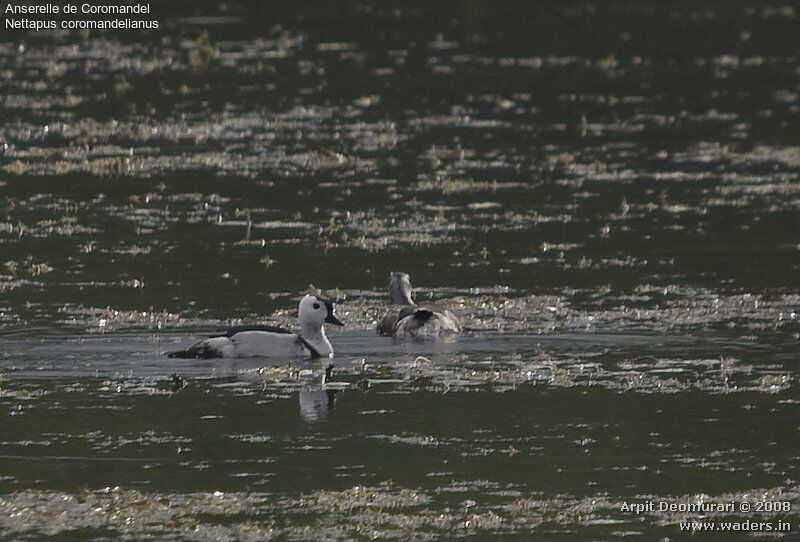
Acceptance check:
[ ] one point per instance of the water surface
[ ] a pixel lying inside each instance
(606, 195)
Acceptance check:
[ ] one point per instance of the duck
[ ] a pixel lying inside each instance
(271, 341)
(407, 319)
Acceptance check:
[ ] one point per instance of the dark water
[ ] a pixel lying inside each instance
(607, 196)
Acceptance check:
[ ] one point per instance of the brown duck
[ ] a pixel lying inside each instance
(407, 319)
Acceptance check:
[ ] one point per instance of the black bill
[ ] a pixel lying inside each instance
(331, 319)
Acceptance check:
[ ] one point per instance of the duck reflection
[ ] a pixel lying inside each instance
(315, 405)
(318, 390)
(316, 399)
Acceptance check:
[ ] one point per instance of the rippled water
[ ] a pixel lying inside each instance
(607, 196)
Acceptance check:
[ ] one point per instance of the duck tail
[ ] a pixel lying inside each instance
(200, 350)
(183, 354)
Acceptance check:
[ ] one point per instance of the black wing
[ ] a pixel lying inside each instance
(231, 331)
(423, 314)
(408, 310)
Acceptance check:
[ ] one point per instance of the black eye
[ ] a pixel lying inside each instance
(316, 306)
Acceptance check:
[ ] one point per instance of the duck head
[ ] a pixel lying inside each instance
(400, 288)
(315, 311)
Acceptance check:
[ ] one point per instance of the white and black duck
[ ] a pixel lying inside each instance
(407, 319)
(271, 341)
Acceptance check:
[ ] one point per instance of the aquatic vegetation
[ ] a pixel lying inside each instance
(202, 52)
(384, 511)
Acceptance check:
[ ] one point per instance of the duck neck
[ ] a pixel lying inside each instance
(400, 294)
(315, 336)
